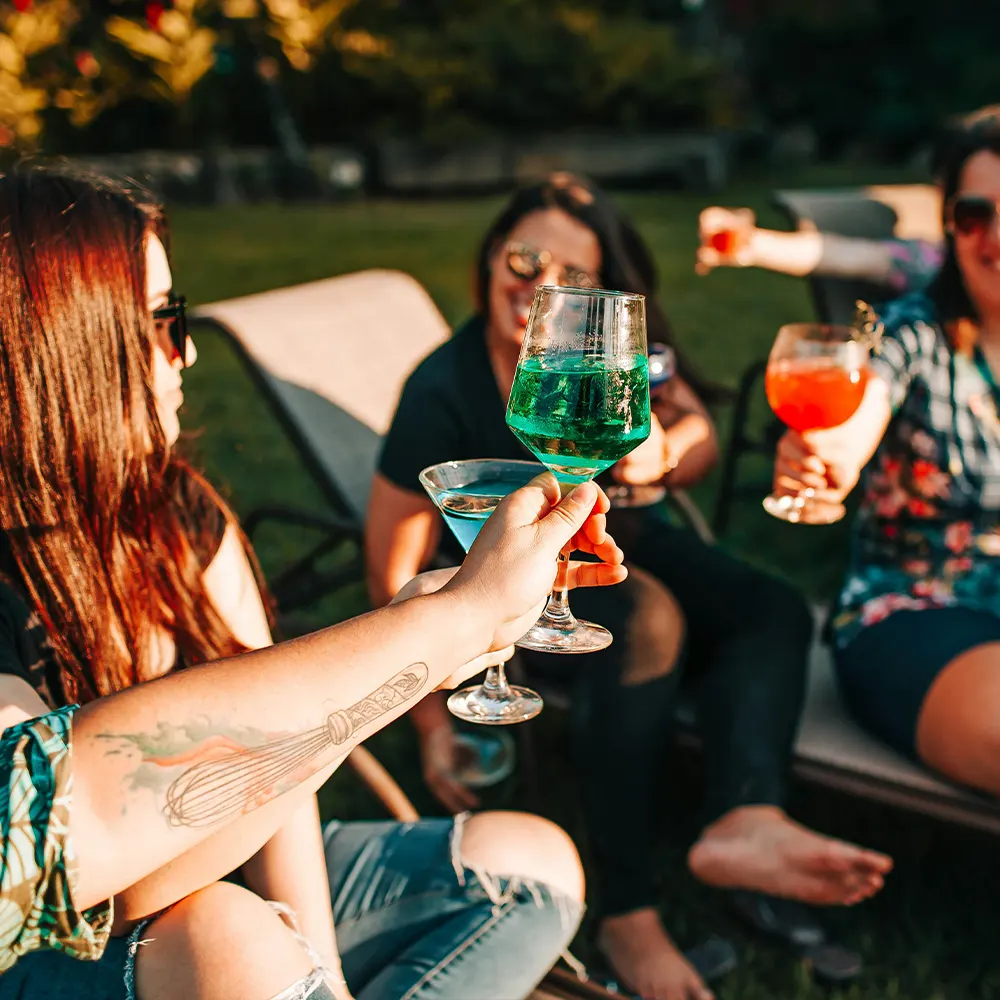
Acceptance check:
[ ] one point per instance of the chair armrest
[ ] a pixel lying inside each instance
(692, 515)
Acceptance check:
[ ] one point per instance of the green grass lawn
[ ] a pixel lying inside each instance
(931, 934)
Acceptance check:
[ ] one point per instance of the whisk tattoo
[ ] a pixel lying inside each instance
(214, 790)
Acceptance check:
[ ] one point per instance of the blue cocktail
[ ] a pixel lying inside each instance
(467, 493)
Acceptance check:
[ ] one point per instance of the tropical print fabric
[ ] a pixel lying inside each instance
(928, 530)
(37, 864)
(914, 264)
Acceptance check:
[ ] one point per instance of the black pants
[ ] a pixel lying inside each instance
(745, 658)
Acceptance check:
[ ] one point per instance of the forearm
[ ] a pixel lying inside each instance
(162, 766)
(291, 869)
(691, 449)
(812, 252)
(796, 253)
(847, 449)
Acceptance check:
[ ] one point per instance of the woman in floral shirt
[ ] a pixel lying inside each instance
(917, 624)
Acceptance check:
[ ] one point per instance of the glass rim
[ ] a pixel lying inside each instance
(456, 462)
(834, 333)
(598, 293)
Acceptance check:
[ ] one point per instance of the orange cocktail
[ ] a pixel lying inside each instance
(812, 394)
(816, 379)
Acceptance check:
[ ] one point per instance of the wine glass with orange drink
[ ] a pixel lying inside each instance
(816, 378)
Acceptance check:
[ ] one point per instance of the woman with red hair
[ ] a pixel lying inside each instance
(118, 565)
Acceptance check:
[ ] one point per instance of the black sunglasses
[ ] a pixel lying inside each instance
(971, 214)
(527, 263)
(174, 315)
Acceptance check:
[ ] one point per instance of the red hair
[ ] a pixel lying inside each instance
(87, 480)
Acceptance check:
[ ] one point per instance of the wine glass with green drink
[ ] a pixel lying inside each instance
(579, 402)
(467, 493)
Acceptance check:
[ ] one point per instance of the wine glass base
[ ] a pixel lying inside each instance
(576, 636)
(475, 704)
(803, 510)
(484, 759)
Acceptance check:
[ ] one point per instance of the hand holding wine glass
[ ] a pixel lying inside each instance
(809, 461)
(815, 381)
(535, 527)
(579, 402)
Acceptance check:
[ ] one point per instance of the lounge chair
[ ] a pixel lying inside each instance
(330, 357)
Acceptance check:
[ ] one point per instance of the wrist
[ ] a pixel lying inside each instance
(471, 620)
(670, 459)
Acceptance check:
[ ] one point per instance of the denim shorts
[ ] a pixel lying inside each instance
(413, 923)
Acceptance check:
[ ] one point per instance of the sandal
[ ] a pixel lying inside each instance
(800, 927)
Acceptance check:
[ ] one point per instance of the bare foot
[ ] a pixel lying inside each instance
(760, 848)
(646, 961)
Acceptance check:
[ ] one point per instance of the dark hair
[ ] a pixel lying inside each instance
(87, 479)
(626, 262)
(966, 137)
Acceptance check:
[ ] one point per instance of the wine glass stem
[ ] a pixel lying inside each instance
(557, 608)
(495, 686)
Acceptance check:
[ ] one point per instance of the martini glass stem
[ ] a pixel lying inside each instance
(557, 609)
(495, 686)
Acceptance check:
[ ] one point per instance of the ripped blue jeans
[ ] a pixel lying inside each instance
(412, 924)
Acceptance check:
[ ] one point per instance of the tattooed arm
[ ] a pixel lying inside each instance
(160, 767)
(282, 861)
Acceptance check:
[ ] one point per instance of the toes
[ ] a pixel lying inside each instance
(880, 863)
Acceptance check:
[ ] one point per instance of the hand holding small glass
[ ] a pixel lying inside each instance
(467, 493)
(816, 378)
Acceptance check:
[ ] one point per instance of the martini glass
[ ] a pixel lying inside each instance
(467, 493)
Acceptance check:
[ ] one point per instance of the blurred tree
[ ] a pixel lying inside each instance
(875, 74)
(196, 71)
(464, 67)
(39, 70)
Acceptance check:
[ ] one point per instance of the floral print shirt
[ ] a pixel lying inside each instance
(914, 264)
(37, 861)
(928, 530)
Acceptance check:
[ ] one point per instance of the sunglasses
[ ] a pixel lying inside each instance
(971, 214)
(527, 263)
(173, 316)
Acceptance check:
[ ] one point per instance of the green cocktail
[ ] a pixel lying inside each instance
(579, 402)
(580, 413)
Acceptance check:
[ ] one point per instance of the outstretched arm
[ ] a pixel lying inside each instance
(799, 253)
(160, 767)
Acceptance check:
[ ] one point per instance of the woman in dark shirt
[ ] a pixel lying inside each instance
(744, 635)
